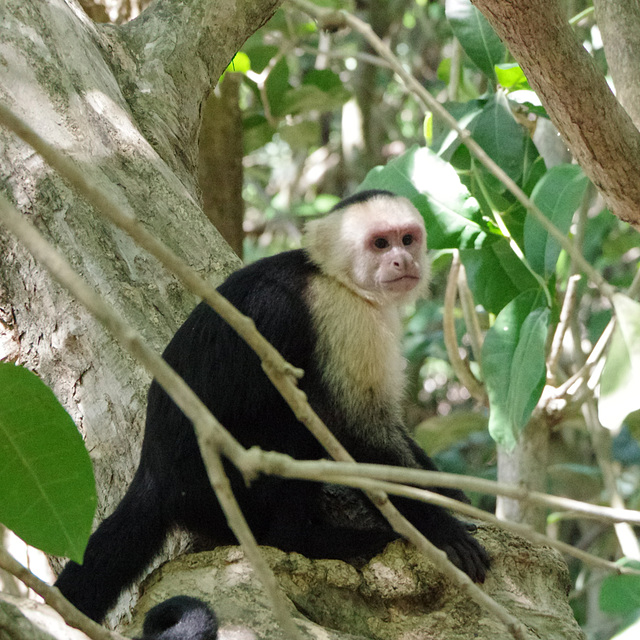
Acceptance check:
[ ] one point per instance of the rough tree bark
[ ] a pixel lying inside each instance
(125, 103)
(619, 23)
(597, 129)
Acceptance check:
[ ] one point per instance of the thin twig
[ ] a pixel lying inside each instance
(460, 367)
(579, 379)
(356, 55)
(566, 313)
(370, 477)
(431, 497)
(470, 316)
(275, 463)
(55, 599)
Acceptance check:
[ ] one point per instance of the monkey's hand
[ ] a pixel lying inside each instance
(449, 534)
(467, 553)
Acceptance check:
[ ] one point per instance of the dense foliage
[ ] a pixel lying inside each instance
(323, 116)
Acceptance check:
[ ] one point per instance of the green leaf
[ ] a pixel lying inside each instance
(259, 54)
(557, 194)
(256, 132)
(495, 274)
(513, 365)
(240, 63)
(300, 135)
(277, 86)
(310, 98)
(439, 433)
(451, 214)
(503, 139)
(619, 382)
(48, 495)
(324, 79)
(475, 34)
(620, 595)
(321, 90)
(511, 76)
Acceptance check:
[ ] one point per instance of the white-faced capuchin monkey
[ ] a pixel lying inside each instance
(331, 309)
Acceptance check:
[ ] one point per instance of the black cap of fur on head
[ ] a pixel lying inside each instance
(362, 196)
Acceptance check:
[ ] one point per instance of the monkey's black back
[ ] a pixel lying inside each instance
(227, 375)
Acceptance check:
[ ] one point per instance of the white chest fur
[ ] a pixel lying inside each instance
(360, 353)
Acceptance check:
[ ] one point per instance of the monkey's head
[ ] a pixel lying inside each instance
(375, 244)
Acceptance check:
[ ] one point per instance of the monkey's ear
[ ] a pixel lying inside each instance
(322, 237)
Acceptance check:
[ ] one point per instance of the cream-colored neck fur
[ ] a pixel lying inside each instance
(359, 351)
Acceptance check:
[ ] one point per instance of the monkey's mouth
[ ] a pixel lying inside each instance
(403, 283)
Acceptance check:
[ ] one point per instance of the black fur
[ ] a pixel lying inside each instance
(361, 196)
(171, 488)
(180, 618)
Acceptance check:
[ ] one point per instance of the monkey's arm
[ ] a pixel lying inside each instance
(437, 524)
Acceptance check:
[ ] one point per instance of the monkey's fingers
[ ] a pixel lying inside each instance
(469, 556)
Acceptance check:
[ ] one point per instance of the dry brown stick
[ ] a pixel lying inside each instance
(460, 367)
(55, 599)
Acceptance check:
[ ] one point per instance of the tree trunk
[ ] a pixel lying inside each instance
(619, 23)
(220, 172)
(124, 102)
(526, 465)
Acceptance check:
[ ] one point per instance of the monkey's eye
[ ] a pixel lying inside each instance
(407, 240)
(380, 243)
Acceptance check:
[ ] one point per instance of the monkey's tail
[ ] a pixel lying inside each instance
(180, 618)
(119, 550)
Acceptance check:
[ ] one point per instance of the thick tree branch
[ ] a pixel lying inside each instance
(597, 129)
(168, 59)
(619, 23)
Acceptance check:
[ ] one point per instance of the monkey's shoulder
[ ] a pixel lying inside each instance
(270, 291)
(287, 272)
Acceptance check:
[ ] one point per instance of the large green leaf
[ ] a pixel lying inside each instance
(475, 34)
(451, 214)
(558, 194)
(513, 365)
(506, 141)
(47, 494)
(495, 274)
(619, 382)
(620, 595)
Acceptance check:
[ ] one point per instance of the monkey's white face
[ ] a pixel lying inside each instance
(388, 263)
(377, 248)
(392, 259)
